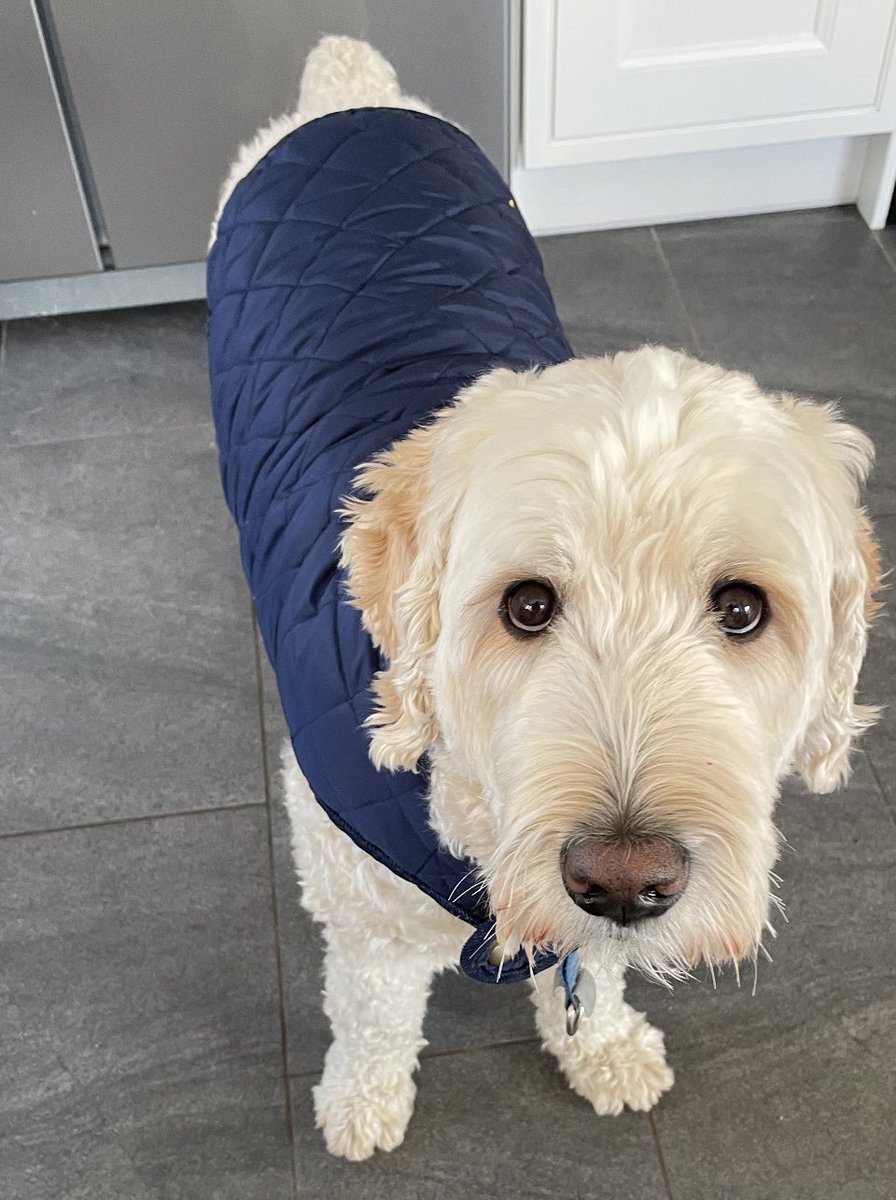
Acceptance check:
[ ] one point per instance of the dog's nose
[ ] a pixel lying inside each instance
(625, 880)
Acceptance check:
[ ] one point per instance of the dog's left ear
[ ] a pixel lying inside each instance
(394, 550)
(841, 458)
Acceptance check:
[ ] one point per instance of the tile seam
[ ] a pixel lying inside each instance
(275, 912)
(137, 818)
(661, 1158)
(676, 291)
(881, 787)
(313, 1072)
(885, 250)
(7, 444)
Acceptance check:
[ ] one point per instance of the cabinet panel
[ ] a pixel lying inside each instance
(656, 31)
(639, 77)
(44, 229)
(167, 89)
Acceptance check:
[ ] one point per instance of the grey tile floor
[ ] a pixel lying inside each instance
(160, 1025)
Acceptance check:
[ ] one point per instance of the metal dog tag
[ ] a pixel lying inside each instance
(586, 991)
(579, 986)
(573, 1014)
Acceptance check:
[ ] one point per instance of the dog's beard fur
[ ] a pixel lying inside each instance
(635, 485)
(657, 745)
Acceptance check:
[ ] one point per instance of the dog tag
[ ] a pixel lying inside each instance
(586, 991)
(579, 987)
(573, 1014)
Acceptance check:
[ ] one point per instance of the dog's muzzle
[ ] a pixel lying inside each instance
(623, 879)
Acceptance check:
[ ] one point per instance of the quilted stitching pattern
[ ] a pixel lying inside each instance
(370, 266)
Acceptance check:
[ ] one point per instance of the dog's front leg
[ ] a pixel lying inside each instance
(615, 1058)
(375, 998)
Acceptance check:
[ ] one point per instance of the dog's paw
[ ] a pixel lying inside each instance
(628, 1071)
(358, 1116)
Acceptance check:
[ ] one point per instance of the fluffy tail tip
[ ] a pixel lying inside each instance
(348, 70)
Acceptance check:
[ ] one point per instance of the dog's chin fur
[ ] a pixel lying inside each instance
(634, 484)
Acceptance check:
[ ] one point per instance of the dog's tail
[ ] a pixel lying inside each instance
(340, 73)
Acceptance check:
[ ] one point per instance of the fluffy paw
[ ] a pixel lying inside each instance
(630, 1070)
(358, 1116)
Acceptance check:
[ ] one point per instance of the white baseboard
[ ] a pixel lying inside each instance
(689, 187)
(878, 180)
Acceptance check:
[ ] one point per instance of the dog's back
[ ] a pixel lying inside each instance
(365, 271)
(340, 73)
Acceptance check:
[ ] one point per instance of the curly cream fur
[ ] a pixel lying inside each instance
(634, 483)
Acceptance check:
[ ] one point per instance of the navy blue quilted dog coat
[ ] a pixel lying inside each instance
(370, 266)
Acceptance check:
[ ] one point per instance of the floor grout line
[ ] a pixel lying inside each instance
(155, 605)
(275, 912)
(138, 818)
(698, 345)
(162, 431)
(311, 1072)
(889, 255)
(657, 1145)
(881, 787)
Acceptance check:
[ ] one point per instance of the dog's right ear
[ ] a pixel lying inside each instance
(394, 555)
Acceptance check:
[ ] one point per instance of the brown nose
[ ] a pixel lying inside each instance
(622, 879)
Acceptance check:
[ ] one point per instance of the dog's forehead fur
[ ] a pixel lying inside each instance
(646, 467)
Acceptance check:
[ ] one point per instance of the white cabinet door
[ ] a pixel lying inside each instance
(612, 79)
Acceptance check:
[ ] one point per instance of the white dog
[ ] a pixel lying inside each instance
(619, 600)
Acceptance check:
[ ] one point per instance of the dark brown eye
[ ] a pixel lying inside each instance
(741, 607)
(529, 606)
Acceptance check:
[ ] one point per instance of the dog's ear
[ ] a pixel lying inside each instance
(841, 458)
(394, 552)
